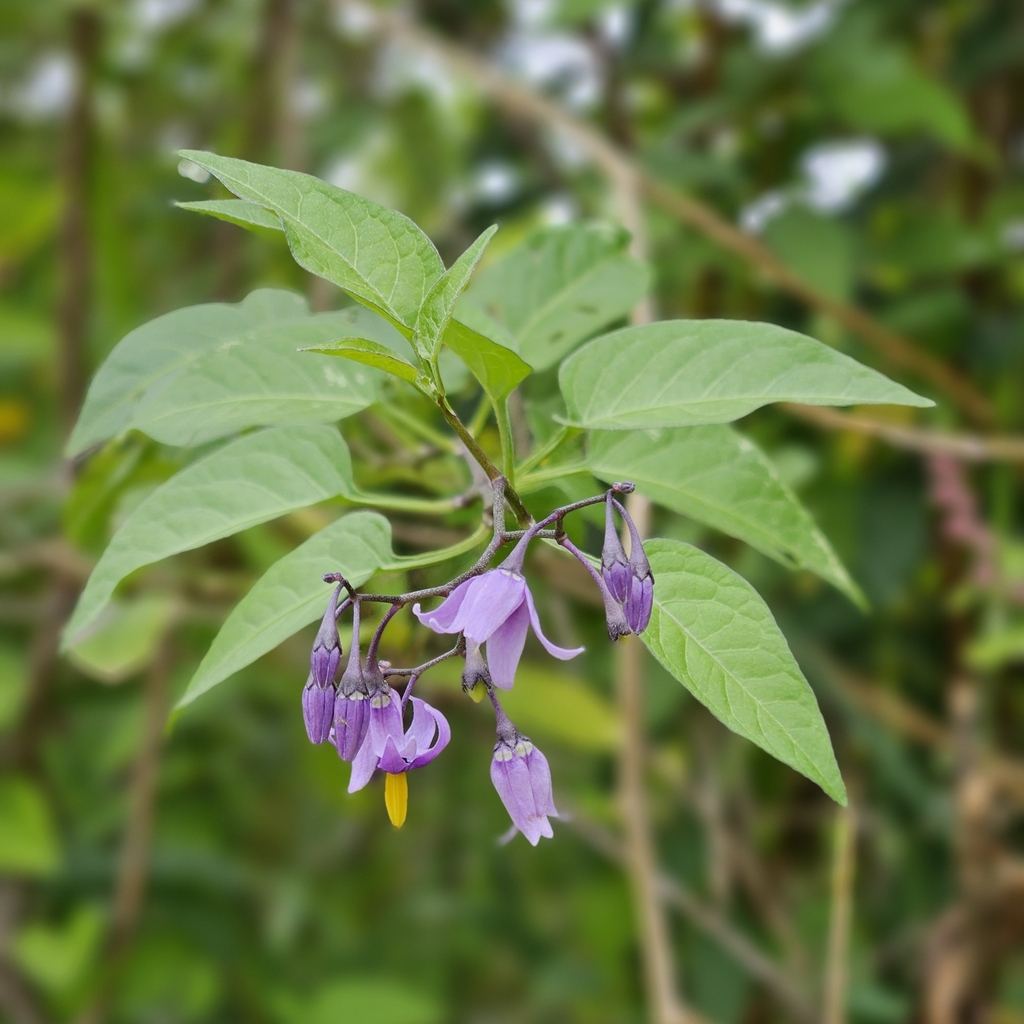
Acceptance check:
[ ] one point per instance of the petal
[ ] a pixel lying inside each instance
(490, 601)
(444, 734)
(421, 732)
(505, 647)
(391, 760)
(540, 781)
(441, 618)
(363, 766)
(385, 720)
(562, 653)
(512, 781)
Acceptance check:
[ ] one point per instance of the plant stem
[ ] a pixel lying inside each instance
(416, 426)
(479, 418)
(534, 481)
(508, 448)
(562, 434)
(399, 503)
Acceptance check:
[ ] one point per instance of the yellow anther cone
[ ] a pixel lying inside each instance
(396, 798)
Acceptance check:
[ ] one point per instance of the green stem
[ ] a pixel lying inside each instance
(400, 503)
(492, 471)
(508, 448)
(479, 419)
(433, 557)
(534, 481)
(562, 434)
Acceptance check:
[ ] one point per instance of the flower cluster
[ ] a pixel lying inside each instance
(490, 610)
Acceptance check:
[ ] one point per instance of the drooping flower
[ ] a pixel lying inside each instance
(521, 776)
(495, 608)
(615, 568)
(318, 693)
(640, 601)
(628, 581)
(351, 706)
(396, 750)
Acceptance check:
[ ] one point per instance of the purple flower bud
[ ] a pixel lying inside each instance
(639, 603)
(326, 653)
(317, 710)
(521, 776)
(351, 706)
(615, 567)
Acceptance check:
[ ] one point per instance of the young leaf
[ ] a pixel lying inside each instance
(362, 350)
(258, 477)
(713, 632)
(292, 594)
(380, 257)
(208, 371)
(497, 368)
(715, 475)
(437, 308)
(558, 288)
(236, 211)
(682, 373)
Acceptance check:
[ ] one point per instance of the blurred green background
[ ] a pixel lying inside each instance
(217, 870)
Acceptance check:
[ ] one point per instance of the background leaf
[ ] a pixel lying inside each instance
(559, 287)
(292, 594)
(713, 632)
(719, 477)
(258, 477)
(687, 372)
(380, 257)
(28, 839)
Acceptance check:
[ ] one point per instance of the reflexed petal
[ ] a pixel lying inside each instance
(444, 734)
(562, 653)
(505, 647)
(441, 618)
(492, 598)
(363, 766)
(421, 732)
(391, 760)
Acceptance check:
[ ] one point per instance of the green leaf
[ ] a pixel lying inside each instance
(236, 211)
(258, 477)
(204, 372)
(713, 632)
(819, 248)
(362, 350)
(558, 288)
(292, 594)
(366, 1000)
(682, 373)
(439, 304)
(28, 839)
(124, 639)
(56, 957)
(380, 257)
(717, 476)
(13, 685)
(497, 368)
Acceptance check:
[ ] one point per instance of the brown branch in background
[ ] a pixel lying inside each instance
(712, 922)
(521, 101)
(133, 869)
(969, 447)
(841, 918)
(75, 245)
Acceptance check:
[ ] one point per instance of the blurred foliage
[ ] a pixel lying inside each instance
(880, 152)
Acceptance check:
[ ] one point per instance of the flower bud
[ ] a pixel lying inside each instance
(351, 706)
(317, 710)
(615, 568)
(326, 653)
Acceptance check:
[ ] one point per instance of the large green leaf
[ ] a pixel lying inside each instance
(258, 477)
(558, 288)
(713, 632)
(291, 594)
(439, 304)
(682, 373)
(497, 368)
(378, 256)
(717, 476)
(208, 371)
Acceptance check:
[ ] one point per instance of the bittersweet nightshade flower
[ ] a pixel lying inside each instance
(351, 706)
(495, 608)
(318, 693)
(521, 776)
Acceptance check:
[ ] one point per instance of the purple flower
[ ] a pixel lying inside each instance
(640, 600)
(318, 693)
(351, 706)
(389, 745)
(615, 568)
(629, 582)
(521, 776)
(495, 608)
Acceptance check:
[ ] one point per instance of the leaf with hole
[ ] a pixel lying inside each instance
(681, 373)
(713, 632)
(380, 257)
(251, 480)
(292, 594)
(719, 477)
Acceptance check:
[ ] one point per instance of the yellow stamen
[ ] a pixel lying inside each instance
(396, 798)
(477, 693)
